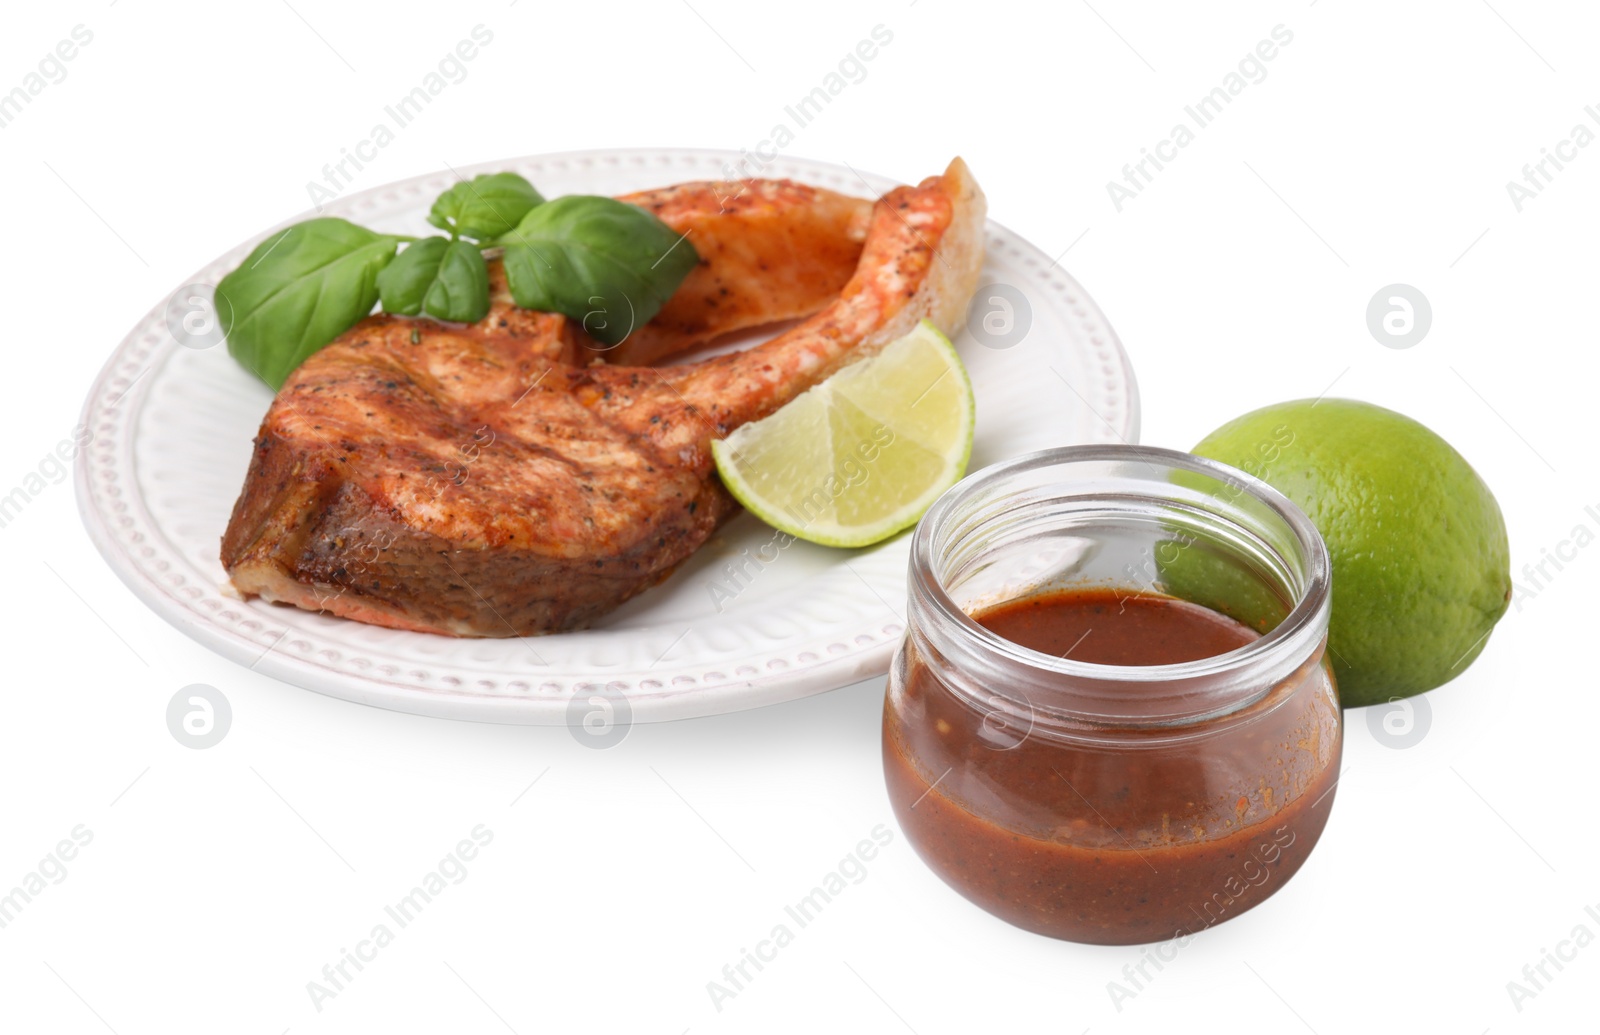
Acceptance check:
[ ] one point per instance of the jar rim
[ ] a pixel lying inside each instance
(1306, 619)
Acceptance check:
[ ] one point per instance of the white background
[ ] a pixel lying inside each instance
(1376, 150)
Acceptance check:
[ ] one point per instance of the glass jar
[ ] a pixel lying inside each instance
(1106, 803)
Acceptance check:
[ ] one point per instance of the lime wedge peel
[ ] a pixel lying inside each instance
(863, 455)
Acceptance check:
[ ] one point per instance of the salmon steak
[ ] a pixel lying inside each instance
(513, 477)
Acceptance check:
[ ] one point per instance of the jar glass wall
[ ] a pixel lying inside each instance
(1104, 803)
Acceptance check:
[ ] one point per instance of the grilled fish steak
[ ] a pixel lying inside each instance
(475, 481)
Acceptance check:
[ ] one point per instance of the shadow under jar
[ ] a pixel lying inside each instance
(1149, 784)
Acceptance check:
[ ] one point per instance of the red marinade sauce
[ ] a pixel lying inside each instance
(1120, 843)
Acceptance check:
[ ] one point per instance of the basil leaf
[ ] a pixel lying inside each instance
(299, 290)
(597, 260)
(485, 206)
(405, 282)
(443, 278)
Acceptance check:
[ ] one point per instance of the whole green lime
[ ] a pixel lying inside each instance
(1421, 568)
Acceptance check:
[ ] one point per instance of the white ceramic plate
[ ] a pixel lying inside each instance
(741, 624)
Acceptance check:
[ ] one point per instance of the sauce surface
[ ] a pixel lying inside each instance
(1108, 627)
(1125, 840)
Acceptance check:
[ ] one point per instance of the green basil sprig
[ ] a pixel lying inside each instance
(609, 265)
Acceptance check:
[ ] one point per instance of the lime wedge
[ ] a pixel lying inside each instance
(862, 455)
